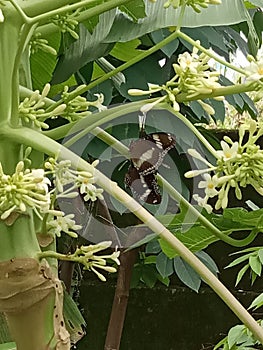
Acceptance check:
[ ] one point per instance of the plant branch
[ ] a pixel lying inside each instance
(210, 53)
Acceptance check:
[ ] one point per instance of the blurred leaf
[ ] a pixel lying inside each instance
(187, 274)
(257, 302)
(4, 331)
(8, 346)
(123, 29)
(164, 265)
(134, 9)
(145, 240)
(256, 2)
(258, 24)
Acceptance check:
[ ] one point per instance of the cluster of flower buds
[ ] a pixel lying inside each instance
(193, 77)
(238, 165)
(86, 255)
(37, 43)
(68, 180)
(67, 23)
(33, 109)
(195, 4)
(77, 108)
(24, 190)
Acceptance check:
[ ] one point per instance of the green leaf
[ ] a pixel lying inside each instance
(8, 346)
(160, 35)
(256, 2)
(145, 240)
(229, 12)
(126, 51)
(4, 331)
(164, 265)
(238, 260)
(43, 63)
(151, 259)
(255, 264)
(73, 319)
(149, 275)
(260, 255)
(134, 9)
(257, 302)
(195, 239)
(207, 261)
(165, 280)
(234, 335)
(241, 273)
(187, 274)
(153, 247)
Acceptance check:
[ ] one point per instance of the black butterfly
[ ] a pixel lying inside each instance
(146, 156)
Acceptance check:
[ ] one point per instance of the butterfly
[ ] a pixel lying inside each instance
(146, 156)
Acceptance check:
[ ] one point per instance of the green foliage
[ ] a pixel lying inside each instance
(254, 263)
(239, 338)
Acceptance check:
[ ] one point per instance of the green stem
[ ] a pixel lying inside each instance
(210, 53)
(181, 17)
(195, 131)
(41, 142)
(220, 91)
(26, 32)
(93, 120)
(96, 10)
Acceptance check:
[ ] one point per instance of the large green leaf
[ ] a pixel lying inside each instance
(124, 29)
(87, 48)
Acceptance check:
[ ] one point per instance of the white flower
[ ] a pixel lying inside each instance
(63, 223)
(202, 202)
(227, 151)
(99, 102)
(86, 187)
(209, 184)
(186, 61)
(255, 70)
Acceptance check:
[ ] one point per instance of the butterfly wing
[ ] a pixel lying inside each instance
(144, 187)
